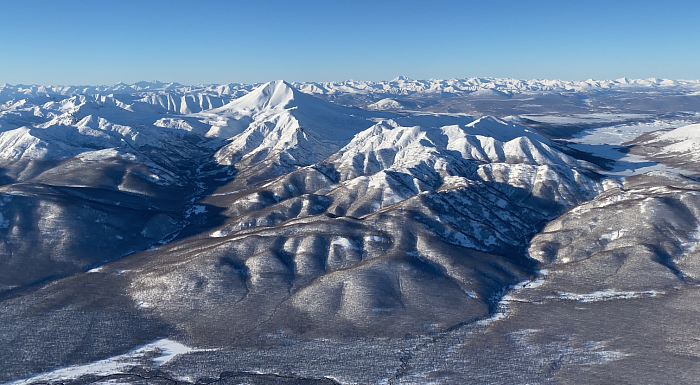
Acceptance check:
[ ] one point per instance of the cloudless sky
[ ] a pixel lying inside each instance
(206, 41)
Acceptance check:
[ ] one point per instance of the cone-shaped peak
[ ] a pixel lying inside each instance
(271, 95)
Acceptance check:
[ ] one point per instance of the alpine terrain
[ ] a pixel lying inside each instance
(402, 232)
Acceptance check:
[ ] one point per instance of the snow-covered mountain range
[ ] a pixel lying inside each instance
(226, 216)
(405, 86)
(187, 98)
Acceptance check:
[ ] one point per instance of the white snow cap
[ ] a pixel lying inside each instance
(269, 96)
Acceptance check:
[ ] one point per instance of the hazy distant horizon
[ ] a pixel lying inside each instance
(341, 81)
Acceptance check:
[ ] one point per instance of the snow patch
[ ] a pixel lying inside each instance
(343, 243)
(373, 238)
(690, 246)
(613, 235)
(165, 350)
(219, 233)
(542, 276)
(607, 295)
(195, 210)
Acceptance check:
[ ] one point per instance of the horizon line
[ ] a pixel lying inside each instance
(398, 78)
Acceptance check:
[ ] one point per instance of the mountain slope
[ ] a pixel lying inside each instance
(398, 217)
(269, 223)
(276, 128)
(676, 147)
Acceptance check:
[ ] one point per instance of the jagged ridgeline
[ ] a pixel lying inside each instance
(217, 215)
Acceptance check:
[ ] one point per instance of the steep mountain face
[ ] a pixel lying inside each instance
(275, 129)
(230, 217)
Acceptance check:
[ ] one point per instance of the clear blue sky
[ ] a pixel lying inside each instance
(106, 41)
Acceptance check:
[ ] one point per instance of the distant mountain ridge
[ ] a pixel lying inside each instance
(398, 86)
(406, 86)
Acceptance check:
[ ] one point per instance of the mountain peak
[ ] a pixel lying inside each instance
(501, 130)
(276, 94)
(489, 123)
